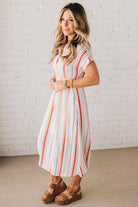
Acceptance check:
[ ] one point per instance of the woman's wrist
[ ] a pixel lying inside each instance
(69, 83)
(65, 83)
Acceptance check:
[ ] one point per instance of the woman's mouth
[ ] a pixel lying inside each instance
(66, 30)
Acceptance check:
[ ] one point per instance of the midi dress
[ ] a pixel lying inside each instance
(64, 139)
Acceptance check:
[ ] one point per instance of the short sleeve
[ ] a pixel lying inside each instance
(85, 57)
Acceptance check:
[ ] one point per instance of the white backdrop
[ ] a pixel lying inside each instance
(26, 41)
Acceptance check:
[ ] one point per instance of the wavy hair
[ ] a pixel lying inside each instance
(81, 28)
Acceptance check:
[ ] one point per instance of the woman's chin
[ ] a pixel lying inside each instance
(65, 33)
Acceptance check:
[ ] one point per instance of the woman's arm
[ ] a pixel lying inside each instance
(92, 77)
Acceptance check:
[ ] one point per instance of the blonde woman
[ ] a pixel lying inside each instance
(64, 140)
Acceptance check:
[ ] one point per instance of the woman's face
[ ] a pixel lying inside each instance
(67, 23)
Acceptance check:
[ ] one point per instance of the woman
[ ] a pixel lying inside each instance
(64, 140)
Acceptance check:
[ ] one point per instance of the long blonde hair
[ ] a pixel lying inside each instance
(81, 28)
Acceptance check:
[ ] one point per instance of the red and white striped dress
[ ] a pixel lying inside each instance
(64, 140)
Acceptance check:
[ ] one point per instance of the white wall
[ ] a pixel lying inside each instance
(26, 41)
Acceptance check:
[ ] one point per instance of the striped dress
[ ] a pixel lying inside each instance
(64, 140)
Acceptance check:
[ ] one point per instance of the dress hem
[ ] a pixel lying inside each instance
(63, 175)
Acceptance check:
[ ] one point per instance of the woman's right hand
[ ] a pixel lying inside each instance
(53, 79)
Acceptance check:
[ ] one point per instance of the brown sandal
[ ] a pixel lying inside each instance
(72, 195)
(53, 190)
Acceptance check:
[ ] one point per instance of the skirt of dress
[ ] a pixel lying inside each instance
(64, 140)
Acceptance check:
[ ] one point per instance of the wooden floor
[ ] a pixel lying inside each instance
(111, 180)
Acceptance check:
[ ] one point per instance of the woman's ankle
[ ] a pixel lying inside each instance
(74, 186)
(56, 179)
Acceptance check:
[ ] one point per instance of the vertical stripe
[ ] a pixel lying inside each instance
(84, 159)
(79, 63)
(64, 64)
(79, 100)
(57, 109)
(89, 59)
(80, 109)
(56, 162)
(47, 132)
(65, 123)
(71, 144)
(64, 68)
(81, 122)
(88, 150)
(83, 74)
(89, 132)
(64, 135)
(81, 170)
(86, 138)
(75, 149)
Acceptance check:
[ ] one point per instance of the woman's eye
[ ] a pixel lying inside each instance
(69, 20)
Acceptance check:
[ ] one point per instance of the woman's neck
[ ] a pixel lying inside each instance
(71, 38)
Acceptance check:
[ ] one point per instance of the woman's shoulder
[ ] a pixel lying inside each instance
(81, 47)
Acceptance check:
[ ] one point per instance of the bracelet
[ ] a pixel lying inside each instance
(71, 83)
(65, 83)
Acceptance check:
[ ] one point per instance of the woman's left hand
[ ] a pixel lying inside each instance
(57, 85)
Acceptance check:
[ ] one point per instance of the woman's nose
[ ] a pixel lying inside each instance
(66, 23)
